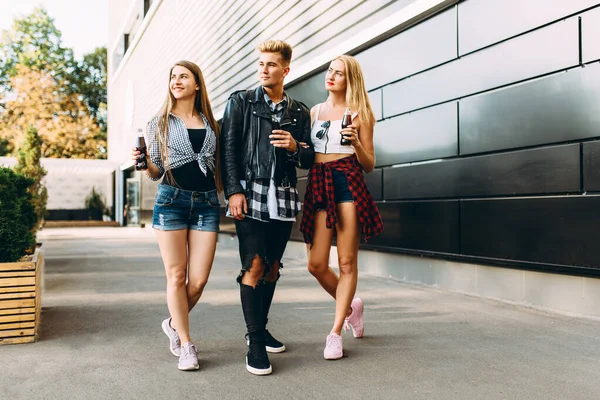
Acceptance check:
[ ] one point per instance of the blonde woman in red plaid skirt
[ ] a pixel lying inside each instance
(337, 201)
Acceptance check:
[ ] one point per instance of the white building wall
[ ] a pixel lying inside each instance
(70, 181)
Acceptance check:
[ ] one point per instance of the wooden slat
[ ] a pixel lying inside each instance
(17, 303)
(18, 266)
(17, 340)
(17, 325)
(17, 274)
(17, 295)
(15, 311)
(17, 289)
(16, 333)
(17, 318)
(39, 265)
(17, 281)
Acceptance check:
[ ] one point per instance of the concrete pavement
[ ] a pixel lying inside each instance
(104, 300)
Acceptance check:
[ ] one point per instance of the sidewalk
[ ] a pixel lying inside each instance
(101, 338)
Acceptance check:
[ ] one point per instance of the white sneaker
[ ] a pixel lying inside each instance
(174, 342)
(188, 360)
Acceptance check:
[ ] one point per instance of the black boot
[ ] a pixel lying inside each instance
(273, 345)
(257, 360)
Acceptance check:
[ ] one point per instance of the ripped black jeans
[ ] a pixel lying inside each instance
(265, 239)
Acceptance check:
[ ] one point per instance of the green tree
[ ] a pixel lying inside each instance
(29, 164)
(62, 120)
(35, 42)
(89, 81)
(17, 216)
(42, 84)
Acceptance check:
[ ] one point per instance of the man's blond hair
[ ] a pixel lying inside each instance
(277, 46)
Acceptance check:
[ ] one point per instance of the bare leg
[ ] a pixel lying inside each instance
(255, 273)
(201, 253)
(348, 237)
(174, 254)
(318, 256)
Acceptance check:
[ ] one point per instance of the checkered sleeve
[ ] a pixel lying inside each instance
(154, 148)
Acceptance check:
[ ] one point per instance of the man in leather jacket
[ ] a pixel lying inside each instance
(260, 151)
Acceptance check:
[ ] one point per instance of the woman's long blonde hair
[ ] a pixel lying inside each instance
(357, 98)
(202, 105)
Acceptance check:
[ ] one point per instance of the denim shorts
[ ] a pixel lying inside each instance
(176, 209)
(341, 192)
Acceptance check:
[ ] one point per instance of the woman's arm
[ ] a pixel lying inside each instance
(361, 137)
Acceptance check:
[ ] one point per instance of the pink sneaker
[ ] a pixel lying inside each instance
(356, 319)
(333, 347)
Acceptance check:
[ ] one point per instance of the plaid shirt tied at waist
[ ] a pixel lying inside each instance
(320, 194)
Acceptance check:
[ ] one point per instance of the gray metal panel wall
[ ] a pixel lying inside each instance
(423, 135)
(426, 45)
(558, 108)
(545, 170)
(590, 32)
(310, 91)
(484, 22)
(544, 51)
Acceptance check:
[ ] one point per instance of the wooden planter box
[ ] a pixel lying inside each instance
(20, 300)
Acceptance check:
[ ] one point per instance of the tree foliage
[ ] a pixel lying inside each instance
(29, 164)
(89, 81)
(62, 120)
(17, 216)
(36, 43)
(95, 204)
(41, 84)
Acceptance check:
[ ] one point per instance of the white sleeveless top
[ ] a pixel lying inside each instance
(330, 142)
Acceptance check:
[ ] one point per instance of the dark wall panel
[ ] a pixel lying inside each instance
(558, 108)
(546, 170)
(591, 166)
(546, 50)
(310, 91)
(427, 225)
(484, 22)
(590, 34)
(423, 46)
(560, 230)
(422, 135)
(375, 184)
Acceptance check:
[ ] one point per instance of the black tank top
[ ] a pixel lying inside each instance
(189, 176)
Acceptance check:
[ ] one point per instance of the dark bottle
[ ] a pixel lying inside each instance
(140, 145)
(275, 125)
(346, 121)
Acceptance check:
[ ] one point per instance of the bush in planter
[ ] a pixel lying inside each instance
(17, 216)
(94, 203)
(29, 164)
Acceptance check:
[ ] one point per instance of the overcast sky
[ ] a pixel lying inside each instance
(83, 23)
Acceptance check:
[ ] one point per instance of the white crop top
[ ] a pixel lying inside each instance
(330, 142)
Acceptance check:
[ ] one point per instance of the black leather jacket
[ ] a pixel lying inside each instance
(246, 151)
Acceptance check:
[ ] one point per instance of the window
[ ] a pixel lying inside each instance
(147, 4)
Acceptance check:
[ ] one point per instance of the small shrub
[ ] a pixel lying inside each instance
(17, 216)
(95, 204)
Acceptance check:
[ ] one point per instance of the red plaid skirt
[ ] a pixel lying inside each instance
(319, 191)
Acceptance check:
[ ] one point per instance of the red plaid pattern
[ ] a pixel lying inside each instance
(319, 191)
